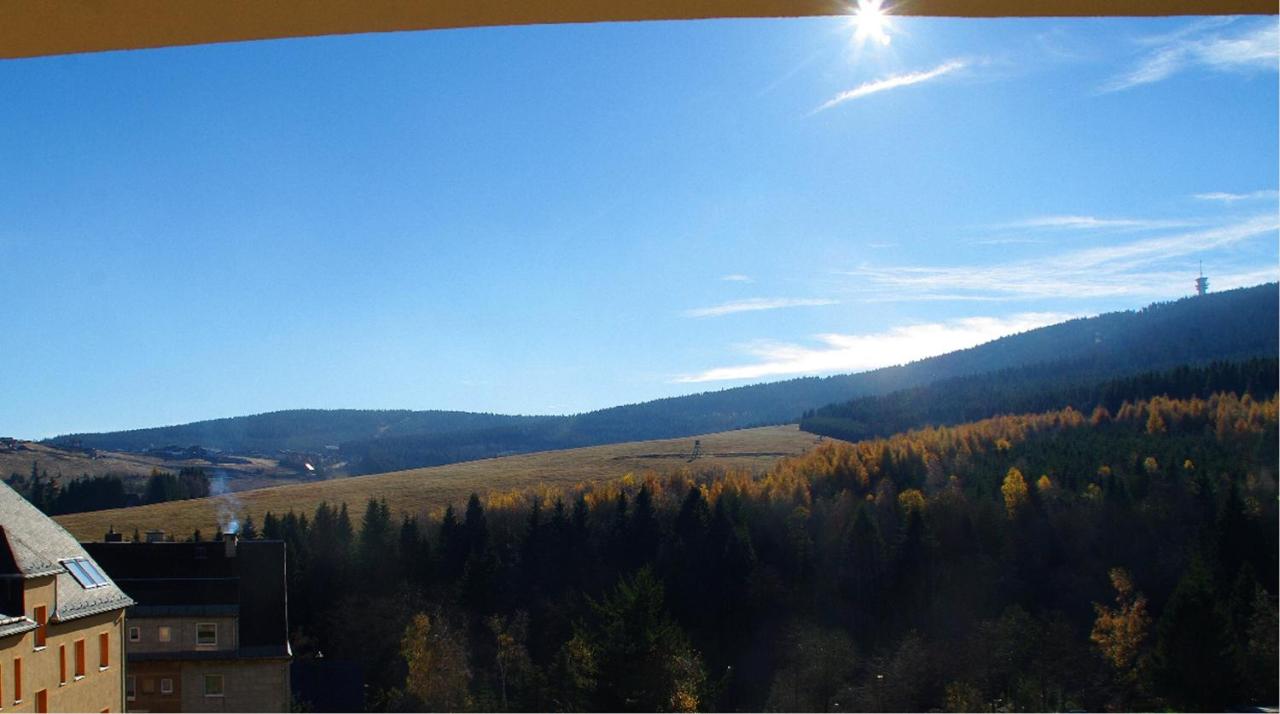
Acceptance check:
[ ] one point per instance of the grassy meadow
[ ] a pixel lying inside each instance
(424, 490)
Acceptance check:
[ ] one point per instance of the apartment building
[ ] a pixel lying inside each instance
(61, 618)
(210, 630)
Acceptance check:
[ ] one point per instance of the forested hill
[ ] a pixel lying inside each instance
(1036, 388)
(296, 429)
(1231, 325)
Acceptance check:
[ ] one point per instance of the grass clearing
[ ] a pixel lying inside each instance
(419, 491)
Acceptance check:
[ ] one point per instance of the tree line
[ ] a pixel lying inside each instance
(56, 496)
(1121, 559)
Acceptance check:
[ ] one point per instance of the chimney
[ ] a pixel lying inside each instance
(229, 541)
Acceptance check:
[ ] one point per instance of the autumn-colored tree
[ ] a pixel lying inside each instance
(436, 655)
(911, 501)
(512, 659)
(1014, 490)
(1155, 422)
(1120, 632)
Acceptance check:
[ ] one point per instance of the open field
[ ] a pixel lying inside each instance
(418, 490)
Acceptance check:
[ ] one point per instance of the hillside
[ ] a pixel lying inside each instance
(419, 490)
(295, 430)
(68, 463)
(1031, 389)
(1235, 324)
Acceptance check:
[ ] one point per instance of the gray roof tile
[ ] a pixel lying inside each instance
(33, 545)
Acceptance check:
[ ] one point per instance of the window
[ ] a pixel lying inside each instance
(213, 685)
(149, 685)
(79, 658)
(42, 626)
(164, 634)
(42, 700)
(135, 634)
(104, 650)
(131, 687)
(62, 664)
(85, 572)
(17, 679)
(206, 633)
(166, 686)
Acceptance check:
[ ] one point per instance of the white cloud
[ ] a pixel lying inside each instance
(897, 80)
(1145, 267)
(881, 245)
(1007, 241)
(737, 278)
(1256, 49)
(837, 353)
(1233, 197)
(1093, 223)
(756, 304)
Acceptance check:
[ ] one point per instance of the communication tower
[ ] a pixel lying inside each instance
(1202, 283)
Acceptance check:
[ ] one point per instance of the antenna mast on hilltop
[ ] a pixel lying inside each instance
(1202, 283)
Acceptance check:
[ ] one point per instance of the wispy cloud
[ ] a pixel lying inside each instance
(893, 82)
(1223, 197)
(1147, 266)
(737, 278)
(756, 304)
(1092, 223)
(835, 353)
(1019, 240)
(882, 245)
(1255, 49)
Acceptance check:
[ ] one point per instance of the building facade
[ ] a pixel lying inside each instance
(61, 618)
(209, 632)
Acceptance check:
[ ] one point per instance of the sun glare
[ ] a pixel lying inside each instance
(871, 22)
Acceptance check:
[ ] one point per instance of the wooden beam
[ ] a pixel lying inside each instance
(33, 28)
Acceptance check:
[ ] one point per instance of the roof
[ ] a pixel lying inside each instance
(201, 579)
(33, 28)
(16, 625)
(32, 545)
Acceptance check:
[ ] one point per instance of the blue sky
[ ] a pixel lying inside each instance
(557, 219)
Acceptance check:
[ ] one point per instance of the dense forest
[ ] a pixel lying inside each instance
(56, 496)
(1231, 325)
(1036, 388)
(1120, 559)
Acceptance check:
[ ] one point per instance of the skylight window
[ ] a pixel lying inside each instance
(85, 572)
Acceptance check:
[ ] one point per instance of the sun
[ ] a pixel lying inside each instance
(871, 22)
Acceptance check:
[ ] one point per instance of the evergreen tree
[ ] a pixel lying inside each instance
(1194, 659)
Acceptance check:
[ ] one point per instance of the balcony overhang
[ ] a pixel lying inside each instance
(34, 28)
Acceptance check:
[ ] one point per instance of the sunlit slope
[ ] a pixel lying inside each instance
(417, 490)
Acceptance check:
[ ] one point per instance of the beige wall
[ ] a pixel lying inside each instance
(183, 634)
(99, 689)
(249, 685)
